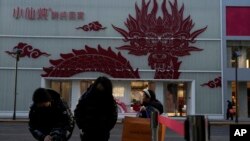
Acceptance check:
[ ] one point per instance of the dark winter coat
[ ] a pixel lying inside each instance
(43, 121)
(151, 107)
(96, 115)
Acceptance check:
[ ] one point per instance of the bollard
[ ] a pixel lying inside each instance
(197, 128)
(154, 125)
(207, 129)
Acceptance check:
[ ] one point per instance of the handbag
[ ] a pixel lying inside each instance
(232, 111)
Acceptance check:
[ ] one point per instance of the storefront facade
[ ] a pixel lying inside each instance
(236, 33)
(169, 46)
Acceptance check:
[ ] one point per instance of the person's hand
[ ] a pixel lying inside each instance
(48, 138)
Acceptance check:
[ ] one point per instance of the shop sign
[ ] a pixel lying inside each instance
(30, 13)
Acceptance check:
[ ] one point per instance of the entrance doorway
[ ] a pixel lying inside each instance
(64, 88)
(175, 98)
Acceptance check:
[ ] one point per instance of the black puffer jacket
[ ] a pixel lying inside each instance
(43, 121)
(94, 113)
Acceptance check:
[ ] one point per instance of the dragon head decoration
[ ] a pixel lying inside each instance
(164, 38)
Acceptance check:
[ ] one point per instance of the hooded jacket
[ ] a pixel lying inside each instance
(56, 118)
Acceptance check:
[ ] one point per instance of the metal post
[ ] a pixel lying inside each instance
(17, 55)
(154, 125)
(207, 129)
(236, 87)
(196, 128)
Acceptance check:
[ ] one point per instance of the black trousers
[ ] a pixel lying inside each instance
(95, 136)
(229, 115)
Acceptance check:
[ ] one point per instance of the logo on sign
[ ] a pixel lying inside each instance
(239, 131)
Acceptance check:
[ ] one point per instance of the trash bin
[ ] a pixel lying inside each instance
(196, 128)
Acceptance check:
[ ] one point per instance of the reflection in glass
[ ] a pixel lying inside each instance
(175, 99)
(244, 48)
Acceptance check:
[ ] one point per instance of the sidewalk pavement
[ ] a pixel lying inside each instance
(211, 121)
(12, 129)
(228, 122)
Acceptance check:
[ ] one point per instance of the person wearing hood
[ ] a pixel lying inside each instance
(96, 112)
(49, 118)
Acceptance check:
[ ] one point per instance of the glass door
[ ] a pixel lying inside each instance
(64, 88)
(84, 84)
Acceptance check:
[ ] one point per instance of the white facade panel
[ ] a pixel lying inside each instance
(60, 37)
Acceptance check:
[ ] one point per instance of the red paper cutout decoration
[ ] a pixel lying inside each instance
(27, 50)
(122, 106)
(164, 38)
(213, 83)
(93, 26)
(91, 60)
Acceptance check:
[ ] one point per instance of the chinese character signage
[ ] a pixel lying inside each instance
(30, 13)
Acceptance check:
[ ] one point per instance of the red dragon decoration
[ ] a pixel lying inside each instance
(27, 50)
(91, 60)
(213, 83)
(164, 38)
(93, 26)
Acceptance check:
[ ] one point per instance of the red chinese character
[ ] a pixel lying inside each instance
(54, 15)
(42, 14)
(63, 16)
(17, 13)
(30, 14)
(80, 15)
(72, 15)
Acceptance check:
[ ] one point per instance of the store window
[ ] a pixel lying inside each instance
(233, 96)
(243, 47)
(84, 84)
(136, 90)
(118, 92)
(64, 88)
(175, 102)
(248, 99)
(136, 93)
(240, 92)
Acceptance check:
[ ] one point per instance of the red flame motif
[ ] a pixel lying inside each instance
(93, 26)
(213, 84)
(27, 50)
(91, 60)
(164, 38)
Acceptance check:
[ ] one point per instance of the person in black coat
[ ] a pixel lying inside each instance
(96, 112)
(49, 119)
(229, 106)
(150, 104)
